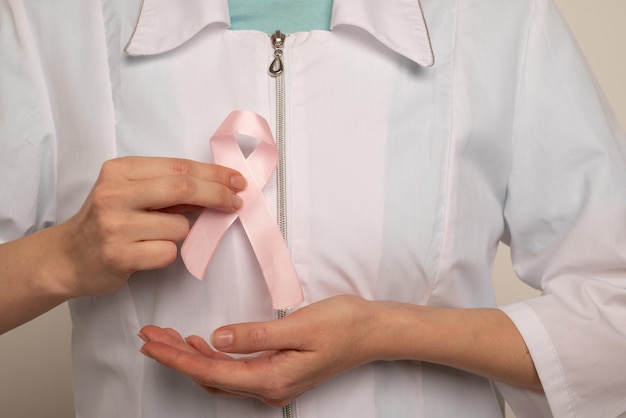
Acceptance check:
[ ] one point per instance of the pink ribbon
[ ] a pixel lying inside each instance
(255, 216)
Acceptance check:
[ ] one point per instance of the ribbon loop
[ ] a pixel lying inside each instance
(255, 215)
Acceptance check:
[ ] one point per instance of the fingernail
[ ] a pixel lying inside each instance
(238, 182)
(222, 339)
(237, 202)
(143, 337)
(145, 353)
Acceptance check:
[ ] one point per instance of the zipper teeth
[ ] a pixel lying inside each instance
(281, 194)
(281, 179)
(280, 170)
(277, 71)
(288, 411)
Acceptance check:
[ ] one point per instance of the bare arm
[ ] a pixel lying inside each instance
(337, 334)
(481, 341)
(130, 221)
(29, 278)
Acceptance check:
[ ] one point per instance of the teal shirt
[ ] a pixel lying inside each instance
(288, 16)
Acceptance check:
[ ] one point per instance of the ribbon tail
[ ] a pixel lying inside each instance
(202, 240)
(273, 256)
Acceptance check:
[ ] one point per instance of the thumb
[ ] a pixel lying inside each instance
(253, 337)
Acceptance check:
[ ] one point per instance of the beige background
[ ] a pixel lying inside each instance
(35, 359)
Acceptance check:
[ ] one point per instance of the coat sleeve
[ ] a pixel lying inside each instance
(566, 218)
(27, 134)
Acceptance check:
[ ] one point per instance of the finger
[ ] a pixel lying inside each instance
(134, 226)
(228, 375)
(250, 377)
(168, 336)
(139, 256)
(141, 168)
(175, 334)
(153, 333)
(204, 348)
(159, 226)
(164, 192)
(252, 337)
(223, 393)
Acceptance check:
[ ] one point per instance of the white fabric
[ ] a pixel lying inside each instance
(506, 135)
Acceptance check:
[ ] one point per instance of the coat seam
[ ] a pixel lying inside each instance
(449, 180)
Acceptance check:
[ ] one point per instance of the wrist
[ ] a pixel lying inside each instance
(426, 333)
(51, 267)
(30, 281)
(482, 341)
(395, 327)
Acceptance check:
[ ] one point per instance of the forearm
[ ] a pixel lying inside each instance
(333, 335)
(481, 341)
(31, 277)
(131, 221)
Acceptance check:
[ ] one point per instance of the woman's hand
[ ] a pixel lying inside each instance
(130, 221)
(319, 341)
(295, 353)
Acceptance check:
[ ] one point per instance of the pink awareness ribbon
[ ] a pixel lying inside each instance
(255, 216)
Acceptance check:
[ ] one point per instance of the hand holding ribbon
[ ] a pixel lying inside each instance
(255, 216)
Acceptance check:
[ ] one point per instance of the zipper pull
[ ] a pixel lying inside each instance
(278, 41)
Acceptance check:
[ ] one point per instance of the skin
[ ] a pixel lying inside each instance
(130, 221)
(334, 335)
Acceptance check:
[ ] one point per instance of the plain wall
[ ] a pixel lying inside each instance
(35, 358)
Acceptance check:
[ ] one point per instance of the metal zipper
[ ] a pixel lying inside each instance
(277, 70)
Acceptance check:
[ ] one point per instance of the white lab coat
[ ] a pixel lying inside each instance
(402, 177)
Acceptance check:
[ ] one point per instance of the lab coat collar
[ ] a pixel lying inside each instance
(163, 25)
